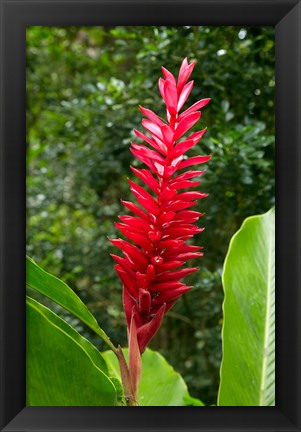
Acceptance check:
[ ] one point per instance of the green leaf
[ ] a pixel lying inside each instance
(62, 368)
(192, 401)
(119, 390)
(62, 294)
(160, 384)
(248, 365)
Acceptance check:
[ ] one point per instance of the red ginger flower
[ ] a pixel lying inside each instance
(150, 267)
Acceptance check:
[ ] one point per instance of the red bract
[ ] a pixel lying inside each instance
(163, 221)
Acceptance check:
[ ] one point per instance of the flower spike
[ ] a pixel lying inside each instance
(161, 222)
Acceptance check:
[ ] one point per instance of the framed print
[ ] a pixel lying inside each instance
(223, 345)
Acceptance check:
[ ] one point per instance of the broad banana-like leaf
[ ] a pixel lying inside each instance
(248, 365)
(62, 294)
(62, 367)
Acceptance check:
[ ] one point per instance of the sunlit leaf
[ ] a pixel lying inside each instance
(160, 384)
(60, 293)
(248, 365)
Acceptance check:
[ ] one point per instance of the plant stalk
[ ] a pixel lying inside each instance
(130, 398)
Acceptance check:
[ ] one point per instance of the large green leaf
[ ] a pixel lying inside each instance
(62, 294)
(160, 384)
(62, 368)
(248, 365)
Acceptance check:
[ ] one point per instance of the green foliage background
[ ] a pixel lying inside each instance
(84, 85)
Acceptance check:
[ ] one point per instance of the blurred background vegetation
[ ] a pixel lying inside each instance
(84, 85)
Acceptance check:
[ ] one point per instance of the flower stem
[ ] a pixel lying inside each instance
(126, 379)
(107, 340)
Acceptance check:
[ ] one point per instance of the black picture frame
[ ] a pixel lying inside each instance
(15, 17)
